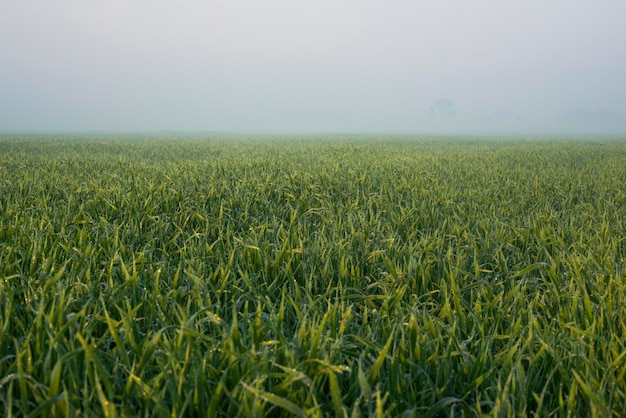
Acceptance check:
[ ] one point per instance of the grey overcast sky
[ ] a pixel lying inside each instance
(314, 66)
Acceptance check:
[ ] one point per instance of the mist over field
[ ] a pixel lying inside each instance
(277, 66)
(212, 208)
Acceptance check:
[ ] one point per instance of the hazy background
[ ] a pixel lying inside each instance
(314, 66)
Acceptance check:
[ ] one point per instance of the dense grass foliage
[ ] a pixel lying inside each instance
(312, 277)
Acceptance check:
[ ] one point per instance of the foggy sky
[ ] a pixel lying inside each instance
(314, 66)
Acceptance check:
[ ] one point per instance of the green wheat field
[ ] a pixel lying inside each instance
(329, 276)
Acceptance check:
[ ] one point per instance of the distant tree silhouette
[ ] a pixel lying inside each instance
(443, 107)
